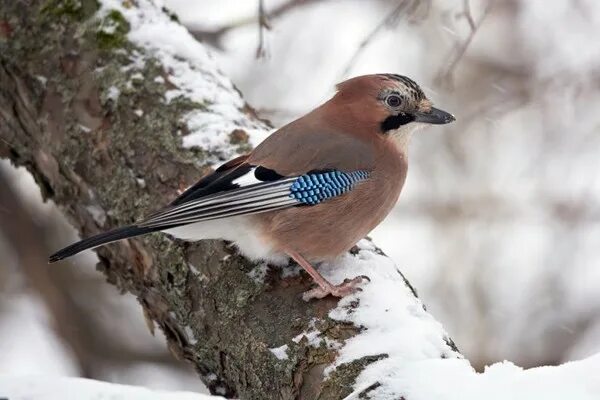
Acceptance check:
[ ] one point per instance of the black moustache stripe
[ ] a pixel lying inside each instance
(396, 121)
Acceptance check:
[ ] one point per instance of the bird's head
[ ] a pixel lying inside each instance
(392, 105)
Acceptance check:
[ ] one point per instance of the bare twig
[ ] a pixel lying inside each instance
(214, 37)
(264, 25)
(404, 7)
(444, 77)
(468, 15)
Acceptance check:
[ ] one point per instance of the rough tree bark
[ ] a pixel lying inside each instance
(91, 124)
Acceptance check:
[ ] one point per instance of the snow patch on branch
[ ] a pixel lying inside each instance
(280, 352)
(194, 74)
(395, 322)
(421, 363)
(455, 379)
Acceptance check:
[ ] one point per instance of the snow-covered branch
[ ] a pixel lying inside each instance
(113, 107)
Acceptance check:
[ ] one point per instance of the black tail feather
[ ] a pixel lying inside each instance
(99, 240)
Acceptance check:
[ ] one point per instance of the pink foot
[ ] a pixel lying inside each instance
(345, 288)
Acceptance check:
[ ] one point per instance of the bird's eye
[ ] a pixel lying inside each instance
(393, 101)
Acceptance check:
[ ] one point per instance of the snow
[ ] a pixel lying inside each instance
(259, 272)
(315, 338)
(28, 344)
(312, 337)
(185, 60)
(420, 364)
(43, 80)
(440, 379)
(456, 380)
(97, 213)
(113, 93)
(15, 387)
(191, 337)
(280, 352)
(396, 324)
(394, 321)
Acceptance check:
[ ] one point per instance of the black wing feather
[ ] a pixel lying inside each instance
(99, 240)
(219, 181)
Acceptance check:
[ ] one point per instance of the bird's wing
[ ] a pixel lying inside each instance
(293, 150)
(296, 149)
(259, 190)
(279, 174)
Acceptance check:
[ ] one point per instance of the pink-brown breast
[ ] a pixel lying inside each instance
(344, 135)
(325, 231)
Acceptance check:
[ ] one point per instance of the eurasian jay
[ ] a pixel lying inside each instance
(312, 189)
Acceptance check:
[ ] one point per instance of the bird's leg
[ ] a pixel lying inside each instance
(325, 288)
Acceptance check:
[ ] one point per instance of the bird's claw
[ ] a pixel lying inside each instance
(345, 288)
(361, 277)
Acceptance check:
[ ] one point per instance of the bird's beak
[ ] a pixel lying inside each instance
(434, 116)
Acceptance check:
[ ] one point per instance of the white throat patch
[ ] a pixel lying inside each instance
(404, 133)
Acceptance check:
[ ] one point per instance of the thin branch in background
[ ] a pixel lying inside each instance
(262, 51)
(214, 37)
(414, 16)
(405, 8)
(446, 74)
(468, 15)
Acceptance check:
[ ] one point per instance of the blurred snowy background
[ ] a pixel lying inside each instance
(498, 225)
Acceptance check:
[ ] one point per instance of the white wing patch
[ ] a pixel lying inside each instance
(247, 179)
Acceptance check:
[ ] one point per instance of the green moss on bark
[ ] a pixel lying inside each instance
(112, 32)
(77, 10)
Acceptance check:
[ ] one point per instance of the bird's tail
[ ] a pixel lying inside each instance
(99, 240)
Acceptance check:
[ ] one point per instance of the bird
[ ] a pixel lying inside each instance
(311, 190)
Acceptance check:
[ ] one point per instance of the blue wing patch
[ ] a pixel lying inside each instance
(313, 188)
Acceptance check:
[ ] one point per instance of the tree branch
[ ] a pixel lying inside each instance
(445, 75)
(406, 8)
(112, 110)
(214, 37)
